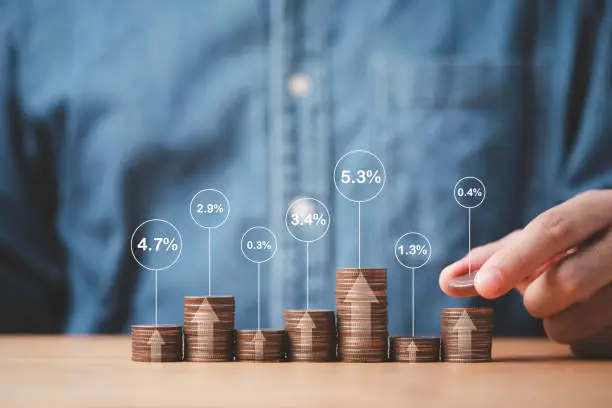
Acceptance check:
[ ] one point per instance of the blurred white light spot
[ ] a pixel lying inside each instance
(300, 85)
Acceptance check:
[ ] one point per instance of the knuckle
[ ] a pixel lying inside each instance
(557, 331)
(533, 305)
(571, 283)
(553, 225)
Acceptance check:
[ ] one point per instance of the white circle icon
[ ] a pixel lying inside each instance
(209, 208)
(156, 244)
(359, 176)
(307, 219)
(469, 192)
(258, 244)
(413, 250)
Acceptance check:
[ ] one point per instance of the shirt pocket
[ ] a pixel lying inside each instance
(446, 118)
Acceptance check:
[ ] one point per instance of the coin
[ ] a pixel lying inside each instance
(260, 345)
(414, 349)
(465, 281)
(209, 324)
(311, 335)
(361, 307)
(467, 334)
(156, 343)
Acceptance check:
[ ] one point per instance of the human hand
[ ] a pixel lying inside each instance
(562, 264)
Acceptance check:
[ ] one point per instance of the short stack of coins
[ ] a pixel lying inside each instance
(414, 349)
(311, 335)
(209, 323)
(361, 303)
(157, 343)
(260, 345)
(467, 334)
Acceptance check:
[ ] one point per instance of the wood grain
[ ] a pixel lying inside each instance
(62, 371)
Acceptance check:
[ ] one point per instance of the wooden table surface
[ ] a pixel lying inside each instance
(61, 371)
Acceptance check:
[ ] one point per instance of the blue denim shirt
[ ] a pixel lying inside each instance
(114, 112)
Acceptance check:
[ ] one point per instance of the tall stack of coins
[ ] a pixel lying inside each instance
(157, 344)
(260, 345)
(467, 334)
(414, 349)
(311, 335)
(361, 303)
(209, 322)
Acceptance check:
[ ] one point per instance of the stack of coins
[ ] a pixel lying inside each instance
(311, 335)
(414, 349)
(157, 344)
(467, 334)
(361, 303)
(260, 345)
(209, 322)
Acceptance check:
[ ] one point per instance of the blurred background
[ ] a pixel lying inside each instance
(116, 112)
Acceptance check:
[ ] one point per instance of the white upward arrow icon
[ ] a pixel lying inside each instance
(306, 325)
(260, 340)
(205, 318)
(464, 328)
(156, 342)
(412, 351)
(361, 298)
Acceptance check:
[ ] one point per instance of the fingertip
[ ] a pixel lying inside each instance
(488, 283)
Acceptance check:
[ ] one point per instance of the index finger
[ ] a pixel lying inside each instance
(551, 233)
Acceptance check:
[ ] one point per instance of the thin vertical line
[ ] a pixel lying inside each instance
(469, 242)
(412, 269)
(156, 298)
(359, 234)
(307, 279)
(258, 296)
(209, 271)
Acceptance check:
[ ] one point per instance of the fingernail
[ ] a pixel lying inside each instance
(489, 282)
